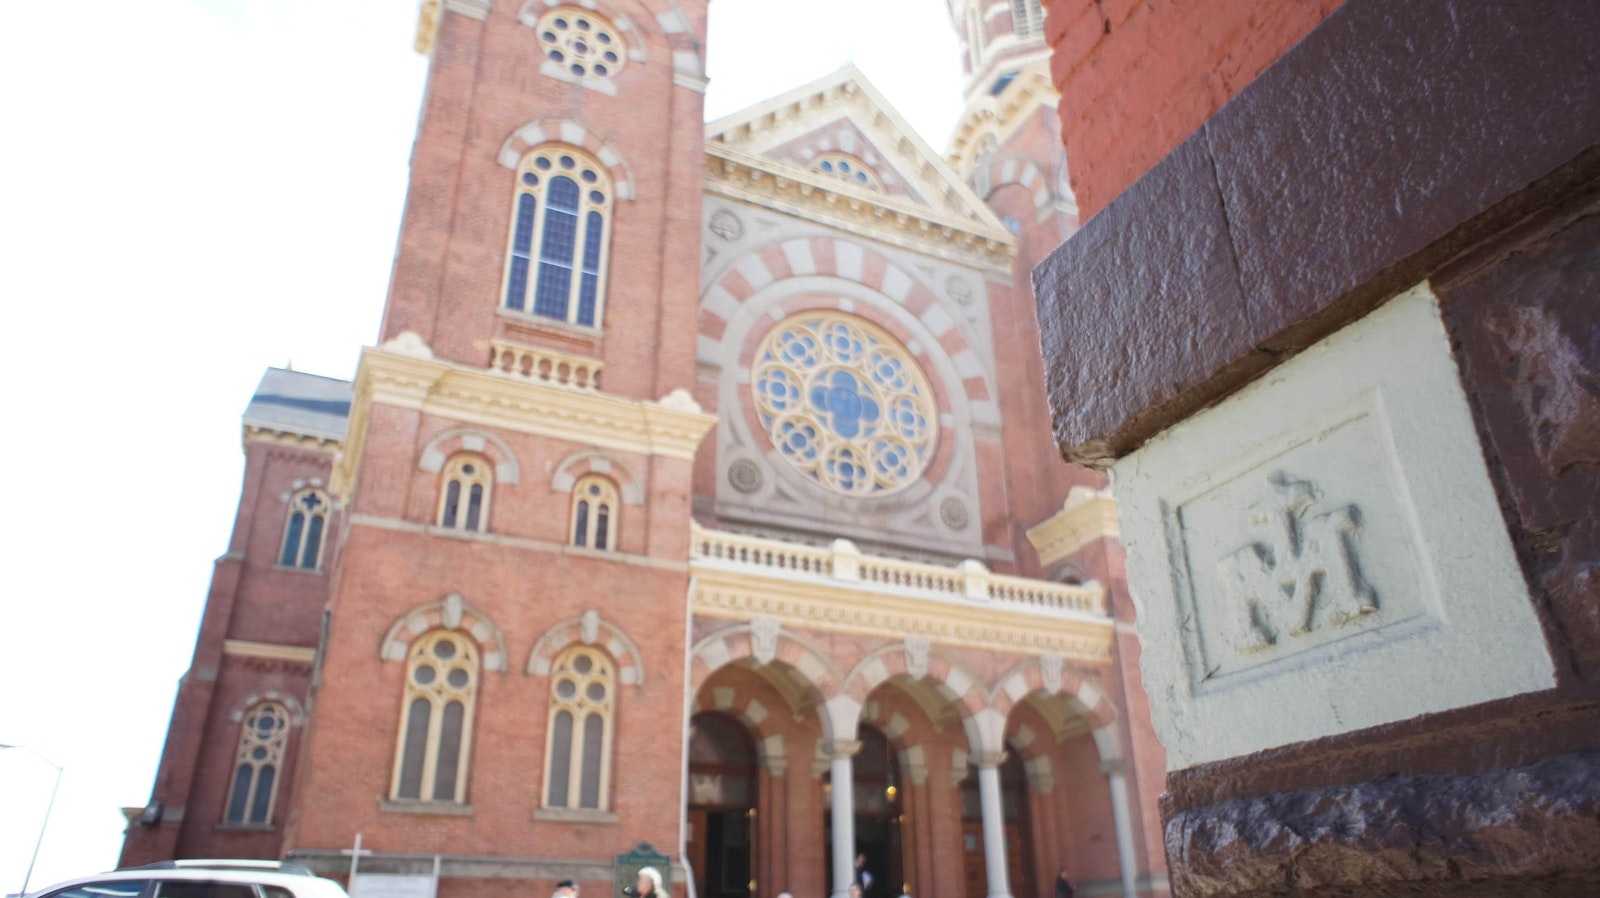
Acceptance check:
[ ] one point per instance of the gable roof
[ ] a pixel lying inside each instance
(933, 191)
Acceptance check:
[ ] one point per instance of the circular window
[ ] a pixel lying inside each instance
(581, 42)
(846, 167)
(845, 404)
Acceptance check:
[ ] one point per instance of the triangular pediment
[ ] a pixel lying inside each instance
(841, 127)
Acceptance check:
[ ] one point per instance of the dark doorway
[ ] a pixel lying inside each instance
(722, 806)
(879, 817)
(1014, 810)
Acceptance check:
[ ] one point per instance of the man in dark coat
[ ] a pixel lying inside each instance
(1063, 885)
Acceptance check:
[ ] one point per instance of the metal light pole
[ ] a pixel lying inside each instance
(47, 808)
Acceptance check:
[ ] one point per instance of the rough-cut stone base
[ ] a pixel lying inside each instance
(1532, 830)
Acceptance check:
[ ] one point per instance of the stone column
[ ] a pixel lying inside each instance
(994, 823)
(1126, 862)
(841, 767)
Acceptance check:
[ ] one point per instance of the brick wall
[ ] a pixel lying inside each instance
(1138, 76)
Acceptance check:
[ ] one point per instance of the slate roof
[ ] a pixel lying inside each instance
(300, 403)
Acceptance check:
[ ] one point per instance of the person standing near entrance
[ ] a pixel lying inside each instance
(863, 876)
(1063, 885)
(649, 885)
(566, 888)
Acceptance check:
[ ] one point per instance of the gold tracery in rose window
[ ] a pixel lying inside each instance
(845, 404)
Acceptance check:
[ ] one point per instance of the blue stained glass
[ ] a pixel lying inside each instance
(241, 793)
(589, 287)
(313, 544)
(258, 810)
(556, 249)
(291, 541)
(848, 409)
(521, 252)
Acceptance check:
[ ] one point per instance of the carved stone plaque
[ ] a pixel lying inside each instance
(1288, 556)
(1323, 551)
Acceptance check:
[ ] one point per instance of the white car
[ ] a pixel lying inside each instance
(200, 879)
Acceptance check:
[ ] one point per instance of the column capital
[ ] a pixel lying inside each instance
(839, 749)
(991, 759)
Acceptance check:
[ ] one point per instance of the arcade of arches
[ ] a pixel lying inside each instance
(931, 800)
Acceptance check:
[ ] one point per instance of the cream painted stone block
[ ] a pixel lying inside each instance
(1323, 551)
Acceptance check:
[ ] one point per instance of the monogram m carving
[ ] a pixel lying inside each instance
(1300, 575)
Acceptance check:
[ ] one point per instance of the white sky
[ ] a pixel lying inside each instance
(191, 191)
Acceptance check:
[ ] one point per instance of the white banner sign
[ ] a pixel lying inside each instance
(392, 885)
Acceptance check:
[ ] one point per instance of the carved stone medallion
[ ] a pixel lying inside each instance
(953, 512)
(726, 226)
(744, 475)
(958, 289)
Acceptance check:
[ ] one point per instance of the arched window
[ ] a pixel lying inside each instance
(464, 494)
(579, 757)
(1027, 18)
(557, 261)
(256, 770)
(302, 532)
(594, 513)
(436, 727)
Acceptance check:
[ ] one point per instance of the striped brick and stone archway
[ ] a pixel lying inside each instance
(785, 693)
(1069, 735)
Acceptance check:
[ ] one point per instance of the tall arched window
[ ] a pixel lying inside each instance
(556, 265)
(302, 532)
(256, 770)
(579, 757)
(464, 494)
(594, 513)
(436, 728)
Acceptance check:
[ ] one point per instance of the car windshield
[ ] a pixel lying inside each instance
(127, 888)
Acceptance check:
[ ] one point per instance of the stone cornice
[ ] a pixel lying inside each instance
(241, 648)
(759, 128)
(1087, 515)
(255, 433)
(408, 377)
(816, 197)
(847, 608)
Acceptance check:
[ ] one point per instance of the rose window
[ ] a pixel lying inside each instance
(581, 42)
(844, 404)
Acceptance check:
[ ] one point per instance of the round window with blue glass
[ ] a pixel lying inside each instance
(845, 404)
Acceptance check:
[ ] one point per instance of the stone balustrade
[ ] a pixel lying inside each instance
(546, 366)
(843, 563)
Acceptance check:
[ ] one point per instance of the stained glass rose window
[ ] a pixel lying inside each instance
(845, 404)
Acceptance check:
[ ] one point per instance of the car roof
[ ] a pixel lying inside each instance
(298, 884)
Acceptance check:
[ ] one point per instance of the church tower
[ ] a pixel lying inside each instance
(517, 468)
(500, 613)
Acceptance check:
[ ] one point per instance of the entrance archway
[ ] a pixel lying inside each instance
(722, 806)
(879, 814)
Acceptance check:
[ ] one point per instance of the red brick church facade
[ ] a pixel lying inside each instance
(699, 492)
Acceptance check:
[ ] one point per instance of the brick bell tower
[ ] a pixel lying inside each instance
(501, 679)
